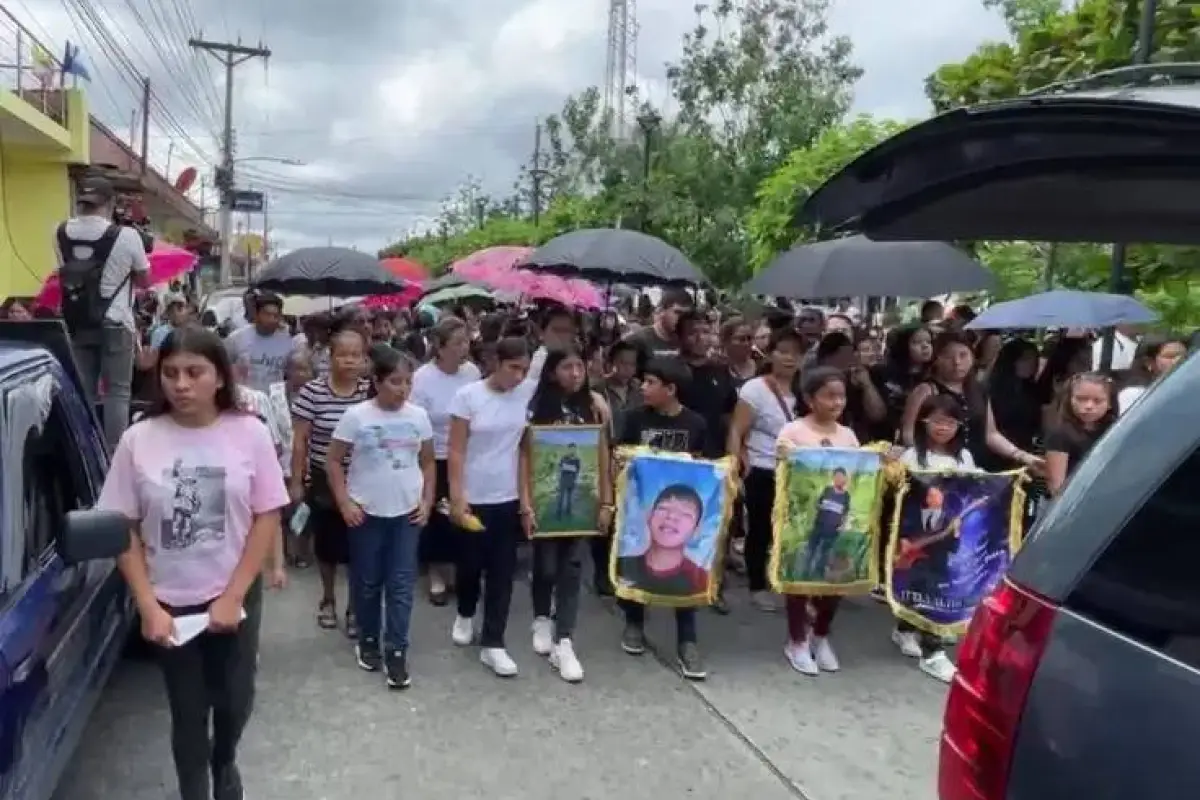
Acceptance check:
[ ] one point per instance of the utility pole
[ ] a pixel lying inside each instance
(266, 250)
(536, 172)
(481, 211)
(145, 125)
(229, 56)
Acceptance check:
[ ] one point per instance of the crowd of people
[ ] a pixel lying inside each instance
(394, 447)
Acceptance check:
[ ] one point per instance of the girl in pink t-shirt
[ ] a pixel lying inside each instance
(824, 390)
(202, 487)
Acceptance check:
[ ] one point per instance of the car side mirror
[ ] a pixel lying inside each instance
(90, 534)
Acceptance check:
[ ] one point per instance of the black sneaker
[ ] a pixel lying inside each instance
(396, 665)
(690, 662)
(633, 640)
(227, 783)
(369, 657)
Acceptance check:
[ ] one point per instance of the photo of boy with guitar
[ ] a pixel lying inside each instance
(926, 556)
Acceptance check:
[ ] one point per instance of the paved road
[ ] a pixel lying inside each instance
(324, 730)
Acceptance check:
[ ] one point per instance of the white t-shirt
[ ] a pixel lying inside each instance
(385, 456)
(1128, 396)
(126, 261)
(768, 419)
(265, 356)
(937, 461)
(1122, 355)
(497, 421)
(432, 389)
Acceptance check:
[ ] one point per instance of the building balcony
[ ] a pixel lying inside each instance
(41, 111)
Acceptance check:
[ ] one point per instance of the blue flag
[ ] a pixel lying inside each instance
(72, 63)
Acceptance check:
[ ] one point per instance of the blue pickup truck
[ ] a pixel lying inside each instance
(64, 612)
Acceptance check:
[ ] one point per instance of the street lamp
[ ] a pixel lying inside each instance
(290, 162)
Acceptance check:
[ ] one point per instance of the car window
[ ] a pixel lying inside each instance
(1144, 585)
(54, 483)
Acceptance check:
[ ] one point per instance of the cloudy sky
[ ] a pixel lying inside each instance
(387, 105)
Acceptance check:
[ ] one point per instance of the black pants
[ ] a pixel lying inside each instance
(685, 620)
(760, 501)
(487, 561)
(439, 539)
(601, 549)
(211, 677)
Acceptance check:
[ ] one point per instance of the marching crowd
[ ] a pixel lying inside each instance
(391, 438)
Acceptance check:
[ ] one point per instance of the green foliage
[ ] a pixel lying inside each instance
(1053, 42)
(770, 224)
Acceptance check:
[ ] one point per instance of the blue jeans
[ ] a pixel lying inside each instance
(383, 570)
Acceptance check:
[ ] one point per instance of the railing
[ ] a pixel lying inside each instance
(30, 70)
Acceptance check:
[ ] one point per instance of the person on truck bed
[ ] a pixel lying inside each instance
(201, 484)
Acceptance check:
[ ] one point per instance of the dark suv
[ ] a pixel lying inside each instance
(1080, 677)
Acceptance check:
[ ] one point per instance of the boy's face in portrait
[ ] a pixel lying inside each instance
(933, 498)
(839, 481)
(672, 522)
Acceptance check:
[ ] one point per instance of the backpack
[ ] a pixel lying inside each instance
(83, 306)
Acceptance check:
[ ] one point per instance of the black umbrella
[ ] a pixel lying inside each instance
(858, 267)
(612, 255)
(328, 271)
(1108, 165)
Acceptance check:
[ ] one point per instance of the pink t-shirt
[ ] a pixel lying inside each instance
(195, 493)
(799, 433)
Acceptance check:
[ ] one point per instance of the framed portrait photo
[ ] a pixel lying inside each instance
(566, 479)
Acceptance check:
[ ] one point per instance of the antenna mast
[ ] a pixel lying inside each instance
(620, 71)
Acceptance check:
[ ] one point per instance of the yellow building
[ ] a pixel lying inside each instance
(44, 130)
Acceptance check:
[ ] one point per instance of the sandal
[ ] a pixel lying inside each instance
(327, 615)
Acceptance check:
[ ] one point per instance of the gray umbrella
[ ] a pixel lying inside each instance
(328, 271)
(613, 255)
(858, 267)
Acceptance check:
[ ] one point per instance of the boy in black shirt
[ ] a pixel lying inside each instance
(664, 424)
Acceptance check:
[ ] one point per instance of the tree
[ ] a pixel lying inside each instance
(770, 225)
(1052, 42)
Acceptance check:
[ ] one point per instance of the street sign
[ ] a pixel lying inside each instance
(243, 200)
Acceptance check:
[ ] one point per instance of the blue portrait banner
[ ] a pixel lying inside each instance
(672, 515)
(953, 536)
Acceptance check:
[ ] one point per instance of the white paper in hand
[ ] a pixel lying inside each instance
(190, 626)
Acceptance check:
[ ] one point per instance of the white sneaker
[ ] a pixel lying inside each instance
(823, 654)
(563, 659)
(908, 642)
(764, 601)
(463, 632)
(800, 656)
(543, 636)
(498, 661)
(939, 667)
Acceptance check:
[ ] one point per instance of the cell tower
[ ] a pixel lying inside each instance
(620, 71)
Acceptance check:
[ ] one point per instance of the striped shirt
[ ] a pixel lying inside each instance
(317, 405)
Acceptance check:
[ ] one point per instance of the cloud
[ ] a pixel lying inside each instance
(390, 105)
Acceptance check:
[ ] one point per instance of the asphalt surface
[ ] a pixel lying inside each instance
(325, 730)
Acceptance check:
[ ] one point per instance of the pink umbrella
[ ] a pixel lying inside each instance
(494, 267)
(398, 300)
(167, 262)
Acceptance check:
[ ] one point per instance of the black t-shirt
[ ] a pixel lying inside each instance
(894, 386)
(683, 433)
(711, 394)
(1072, 440)
(832, 507)
(650, 345)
